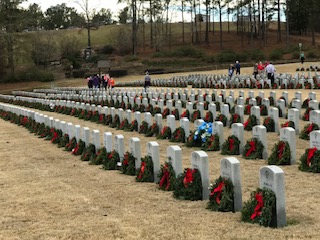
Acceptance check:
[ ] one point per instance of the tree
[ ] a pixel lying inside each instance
(104, 16)
(34, 17)
(58, 17)
(124, 15)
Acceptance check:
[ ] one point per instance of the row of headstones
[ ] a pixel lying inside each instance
(271, 177)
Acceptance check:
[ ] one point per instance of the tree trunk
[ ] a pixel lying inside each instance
(279, 22)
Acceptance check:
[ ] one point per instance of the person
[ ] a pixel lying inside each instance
(230, 70)
(255, 71)
(270, 70)
(111, 83)
(147, 81)
(95, 80)
(90, 82)
(106, 81)
(260, 67)
(302, 58)
(237, 67)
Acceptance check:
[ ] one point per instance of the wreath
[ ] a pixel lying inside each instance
(231, 146)
(141, 108)
(221, 196)
(247, 101)
(56, 136)
(310, 160)
(263, 110)
(123, 125)
(156, 110)
(259, 100)
(185, 114)
(108, 120)
(208, 117)
(271, 100)
(152, 130)
(95, 116)
(143, 127)
(178, 135)
(188, 185)
(88, 153)
(250, 123)
(145, 172)
(165, 113)
(253, 149)
(287, 124)
(269, 123)
(222, 118)
(247, 109)
(110, 163)
(87, 115)
(63, 141)
(298, 86)
(175, 113)
(217, 106)
(165, 133)
(195, 115)
(281, 154)
(102, 118)
(128, 165)
(44, 133)
(167, 177)
(234, 118)
(212, 143)
(260, 207)
(306, 115)
(100, 157)
(305, 103)
(79, 148)
(116, 121)
(307, 130)
(149, 108)
(133, 126)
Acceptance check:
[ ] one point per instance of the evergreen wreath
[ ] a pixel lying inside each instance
(247, 109)
(56, 136)
(221, 196)
(178, 135)
(195, 115)
(231, 146)
(156, 110)
(260, 207)
(88, 153)
(288, 124)
(133, 126)
(259, 100)
(305, 133)
(143, 127)
(281, 154)
(247, 101)
(145, 172)
(222, 118)
(310, 161)
(217, 106)
(250, 123)
(95, 116)
(280, 111)
(100, 157)
(152, 130)
(142, 108)
(110, 163)
(102, 118)
(128, 165)
(185, 114)
(63, 140)
(271, 100)
(253, 149)
(305, 103)
(176, 114)
(124, 124)
(167, 177)
(108, 120)
(165, 133)
(193, 140)
(212, 143)
(188, 185)
(116, 121)
(149, 108)
(298, 86)
(79, 148)
(165, 113)
(306, 115)
(44, 133)
(208, 117)
(269, 123)
(263, 110)
(234, 118)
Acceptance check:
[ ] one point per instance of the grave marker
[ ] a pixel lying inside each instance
(199, 160)
(260, 132)
(174, 154)
(153, 152)
(288, 134)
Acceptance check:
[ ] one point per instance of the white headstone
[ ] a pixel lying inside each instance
(217, 128)
(274, 114)
(237, 130)
(107, 141)
(96, 139)
(119, 145)
(174, 154)
(153, 152)
(135, 149)
(260, 132)
(255, 111)
(294, 116)
(185, 124)
(288, 134)
(86, 135)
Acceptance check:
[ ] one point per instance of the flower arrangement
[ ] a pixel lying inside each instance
(281, 154)
(253, 149)
(307, 130)
(167, 177)
(231, 146)
(222, 118)
(188, 185)
(165, 133)
(234, 118)
(221, 196)
(260, 207)
(310, 161)
(250, 123)
(128, 165)
(110, 163)
(88, 153)
(145, 172)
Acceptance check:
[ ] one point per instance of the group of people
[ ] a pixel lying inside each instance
(266, 67)
(103, 81)
(236, 67)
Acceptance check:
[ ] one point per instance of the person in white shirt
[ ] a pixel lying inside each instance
(270, 70)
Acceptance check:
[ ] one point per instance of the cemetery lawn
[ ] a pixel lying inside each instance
(46, 193)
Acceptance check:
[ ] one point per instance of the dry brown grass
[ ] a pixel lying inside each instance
(46, 193)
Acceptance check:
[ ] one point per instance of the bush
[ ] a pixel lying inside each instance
(95, 58)
(34, 75)
(226, 56)
(275, 54)
(312, 55)
(242, 57)
(107, 49)
(257, 55)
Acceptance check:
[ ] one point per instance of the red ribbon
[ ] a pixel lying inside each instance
(267, 120)
(55, 136)
(207, 116)
(165, 178)
(76, 149)
(311, 153)
(126, 160)
(164, 130)
(100, 117)
(231, 144)
(310, 128)
(184, 114)
(188, 177)
(178, 134)
(235, 118)
(251, 149)
(281, 149)
(246, 123)
(258, 208)
(248, 107)
(286, 124)
(142, 169)
(218, 190)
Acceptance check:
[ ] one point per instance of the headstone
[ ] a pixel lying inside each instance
(189, 107)
(260, 132)
(70, 130)
(285, 96)
(239, 109)
(200, 107)
(148, 118)
(288, 134)
(274, 114)
(135, 149)
(121, 114)
(128, 116)
(198, 123)
(153, 152)
(171, 122)
(137, 116)
(217, 128)
(86, 135)
(273, 95)
(315, 139)
(77, 132)
(185, 124)
(240, 101)
(314, 104)
(96, 139)
(272, 177)
(281, 104)
(296, 104)
(315, 117)
(213, 109)
(266, 102)
(230, 168)
(298, 95)
(252, 102)
(107, 141)
(119, 145)
(251, 94)
(255, 111)
(158, 120)
(199, 160)
(294, 116)
(312, 96)
(237, 130)
(174, 154)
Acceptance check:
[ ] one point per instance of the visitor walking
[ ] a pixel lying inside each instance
(270, 70)
(147, 81)
(230, 70)
(111, 83)
(237, 67)
(255, 71)
(302, 57)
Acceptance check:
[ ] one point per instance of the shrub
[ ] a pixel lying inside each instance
(257, 55)
(226, 56)
(95, 58)
(312, 55)
(107, 49)
(275, 54)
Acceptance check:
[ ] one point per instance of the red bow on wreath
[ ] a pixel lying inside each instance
(286, 124)
(76, 149)
(246, 123)
(178, 134)
(100, 117)
(142, 169)
(126, 159)
(235, 118)
(207, 116)
(251, 149)
(231, 144)
(309, 129)
(55, 136)
(248, 108)
(188, 177)
(218, 190)
(258, 208)
(165, 178)
(281, 149)
(311, 153)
